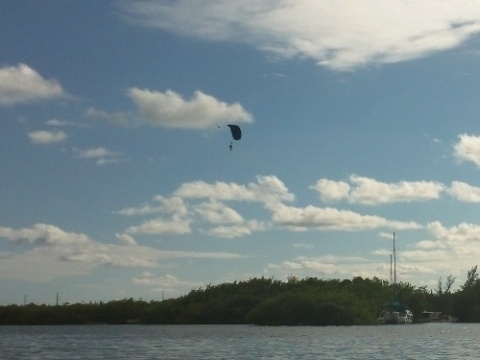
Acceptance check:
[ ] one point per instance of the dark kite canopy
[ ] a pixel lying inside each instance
(236, 132)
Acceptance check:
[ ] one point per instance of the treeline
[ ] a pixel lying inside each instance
(265, 301)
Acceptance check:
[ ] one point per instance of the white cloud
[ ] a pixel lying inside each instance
(304, 246)
(162, 226)
(174, 208)
(174, 205)
(268, 189)
(40, 265)
(464, 232)
(238, 230)
(118, 118)
(125, 255)
(312, 217)
(183, 211)
(187, 215)
(22, 84)
(464, 192)
(367, 191)
(125, 239)
(164, 282)
(43, 234)
(451, 250)
(370, 191)
(328, 266)
(468, 148)
(101, 155)
(94, 153)
(42, 137)
(331, 190)
(217, 213)
(340, 34)
(170, 109)
(64, 123)
(52, 253)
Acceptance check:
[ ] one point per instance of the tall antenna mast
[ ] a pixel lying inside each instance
(391, 268)
(394, 262)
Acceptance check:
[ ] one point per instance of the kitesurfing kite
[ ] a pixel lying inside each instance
(236, 134)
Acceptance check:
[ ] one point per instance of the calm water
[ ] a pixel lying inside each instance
(427, 341)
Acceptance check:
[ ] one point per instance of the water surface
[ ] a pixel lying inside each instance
(426, 341)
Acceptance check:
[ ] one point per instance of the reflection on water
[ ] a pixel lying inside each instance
(427, 341)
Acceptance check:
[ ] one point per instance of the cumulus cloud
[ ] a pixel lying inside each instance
(185, 212)
(172, 217)
(331, 190)
(125, 239)
(461, 233)
(268, 189)
(448, 250)
(42, 137)
(340, 35)
(312, 217)
(182, 213)
(367, 191)
(445, 251)
(171, 110)
(162, 226)
(217, 213)
(22, 84)
(43, 234)
(464, 192)
(468, 148)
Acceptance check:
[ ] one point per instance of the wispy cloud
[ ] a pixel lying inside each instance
(64, 123)
(340, 35)
(164, 282)
(43, 137)
(159, 226)
(53, 253)
(43, 234)
(101, 155)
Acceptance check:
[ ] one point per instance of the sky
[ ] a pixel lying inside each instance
(360, 119)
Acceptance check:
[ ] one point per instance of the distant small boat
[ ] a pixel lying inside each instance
(395, 312)
(430, 316)
(433, 317)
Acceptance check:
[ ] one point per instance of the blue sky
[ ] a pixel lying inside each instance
(359, 119)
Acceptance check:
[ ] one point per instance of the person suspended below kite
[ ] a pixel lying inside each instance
(236, 134)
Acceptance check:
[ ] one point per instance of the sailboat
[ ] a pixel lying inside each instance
(395, 312)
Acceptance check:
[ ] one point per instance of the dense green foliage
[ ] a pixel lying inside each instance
(265, 301)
